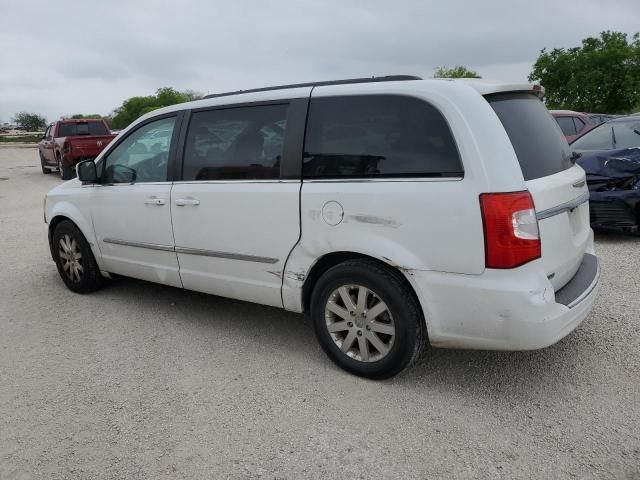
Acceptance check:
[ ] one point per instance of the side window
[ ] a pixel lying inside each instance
(235, 143)
(579, 124)
(47, 134)
(143, 156)
(566, 125)
(378, 136)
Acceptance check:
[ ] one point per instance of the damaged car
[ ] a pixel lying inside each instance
(610, 155)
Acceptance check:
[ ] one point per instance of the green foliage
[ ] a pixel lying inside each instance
(602, 75)
(459, 71)
(91, 115)
(135, 107)
(106, 118)
(31, 122)
(19, 138)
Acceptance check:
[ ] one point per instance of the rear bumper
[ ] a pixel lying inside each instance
(505, 310)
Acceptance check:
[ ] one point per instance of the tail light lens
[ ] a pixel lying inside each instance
(66, 147)
(511, 236)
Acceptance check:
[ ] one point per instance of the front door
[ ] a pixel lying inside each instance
(235, 215)
(46, 146)
(131, 206)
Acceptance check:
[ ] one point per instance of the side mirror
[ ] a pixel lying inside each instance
(87, 172)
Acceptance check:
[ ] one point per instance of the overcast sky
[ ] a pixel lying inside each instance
(68, 57)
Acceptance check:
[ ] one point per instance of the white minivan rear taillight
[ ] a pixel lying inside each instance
(511, 235)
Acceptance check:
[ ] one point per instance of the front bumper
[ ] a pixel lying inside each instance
(505, 309)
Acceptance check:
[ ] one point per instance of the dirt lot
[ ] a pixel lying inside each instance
(145, 381)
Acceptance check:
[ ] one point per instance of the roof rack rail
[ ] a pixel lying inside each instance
(346, 81)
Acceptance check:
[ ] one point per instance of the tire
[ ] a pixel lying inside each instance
(400, 330)
(79, 271)
(66, 173)
(46, 170)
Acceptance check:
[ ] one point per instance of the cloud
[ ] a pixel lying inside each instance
(72, 57)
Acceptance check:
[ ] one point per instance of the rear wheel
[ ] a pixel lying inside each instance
(66, 173)
(75, 261)
(367, 319)
(46, 170)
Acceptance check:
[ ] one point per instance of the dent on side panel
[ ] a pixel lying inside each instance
(403, 224)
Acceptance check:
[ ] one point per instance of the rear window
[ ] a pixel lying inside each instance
(71, 129)
(613, 135)
(536, 138)
(378, 136)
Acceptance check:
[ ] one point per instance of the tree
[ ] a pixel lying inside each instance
(602, 75)
(459, 71)
(106, 118)
(135, 107)
(31, 122)
(79, 116)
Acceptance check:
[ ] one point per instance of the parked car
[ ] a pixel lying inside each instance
(610, 155)
(573, 124)
(67, 142)
(395, 212)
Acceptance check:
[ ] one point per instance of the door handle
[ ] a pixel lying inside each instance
(154, 201)
(181, 202)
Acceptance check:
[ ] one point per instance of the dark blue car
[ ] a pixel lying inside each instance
(610, 155)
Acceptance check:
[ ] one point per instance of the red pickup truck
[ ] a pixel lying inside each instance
(67, 142)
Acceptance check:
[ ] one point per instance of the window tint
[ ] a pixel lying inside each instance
(378, 136)
(235, 143)
(142, 156)
(539, 145)
(71, 129)
(566, 125)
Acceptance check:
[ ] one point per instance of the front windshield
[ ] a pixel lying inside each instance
(610, 136)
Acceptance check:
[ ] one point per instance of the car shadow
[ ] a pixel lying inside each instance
(518, 375)
(613, 236)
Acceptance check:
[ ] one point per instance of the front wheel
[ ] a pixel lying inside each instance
(46, 170)
(367, 319)
(73, 256)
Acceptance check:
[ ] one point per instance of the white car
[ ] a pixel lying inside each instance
(397, 212)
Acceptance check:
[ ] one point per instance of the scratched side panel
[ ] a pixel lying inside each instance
(403, 223)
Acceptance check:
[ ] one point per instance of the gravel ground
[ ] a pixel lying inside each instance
(144, 381)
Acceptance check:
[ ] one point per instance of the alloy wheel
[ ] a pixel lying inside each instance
(360, 323)
(71, 258)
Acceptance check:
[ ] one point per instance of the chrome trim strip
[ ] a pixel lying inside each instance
(227, 255)
(127, 243)
(385, 180)
(130, 184)
(565, 207)
(589, 289)
(210, 182)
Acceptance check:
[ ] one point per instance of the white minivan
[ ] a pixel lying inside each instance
(396, 212)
